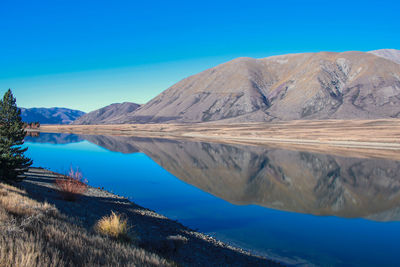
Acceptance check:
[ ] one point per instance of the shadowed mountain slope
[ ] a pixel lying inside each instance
(349, 85)
(50, 115)
(111, 114)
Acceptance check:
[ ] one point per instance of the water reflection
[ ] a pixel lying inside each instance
(296, 181)
(51, 138)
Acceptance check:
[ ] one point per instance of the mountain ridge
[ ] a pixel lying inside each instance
(287, 87)
(54, 115)
(107, 115)
(391, 54)
(307, 86)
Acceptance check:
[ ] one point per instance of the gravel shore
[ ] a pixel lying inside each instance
(153, 231)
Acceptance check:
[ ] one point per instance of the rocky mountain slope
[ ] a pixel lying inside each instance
(50, 115)
(110, 114)
(326, 85)
(391, 54)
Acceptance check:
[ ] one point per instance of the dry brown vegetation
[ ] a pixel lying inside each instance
(36, 234)
(384, 131)
(71, 186)
(114, 226)
(147, 231)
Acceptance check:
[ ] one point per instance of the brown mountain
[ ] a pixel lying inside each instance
(111, 114)
(391, 54)
(349, 85)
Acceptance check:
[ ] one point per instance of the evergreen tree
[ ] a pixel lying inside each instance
(13, 162)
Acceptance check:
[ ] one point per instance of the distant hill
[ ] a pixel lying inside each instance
(391, 54)
(50, 115)
(111, 114)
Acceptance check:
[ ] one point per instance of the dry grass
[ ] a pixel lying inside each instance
(71, 186)
(114, 226)
(36, 234)
(15, 201)
(379, 131)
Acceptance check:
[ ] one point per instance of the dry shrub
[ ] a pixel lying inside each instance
(114, 226)
(71, 186)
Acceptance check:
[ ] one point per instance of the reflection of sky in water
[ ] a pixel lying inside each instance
(316, 239)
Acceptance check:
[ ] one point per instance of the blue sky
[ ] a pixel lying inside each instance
(88, 54)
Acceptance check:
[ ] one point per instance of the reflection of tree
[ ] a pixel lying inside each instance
(33, 134)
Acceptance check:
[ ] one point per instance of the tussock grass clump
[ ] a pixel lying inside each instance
(114, 226)
(36, 234)
(71, 186)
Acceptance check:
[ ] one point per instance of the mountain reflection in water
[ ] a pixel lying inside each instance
(296, 181)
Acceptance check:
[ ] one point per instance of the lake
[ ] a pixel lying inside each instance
(298, 207)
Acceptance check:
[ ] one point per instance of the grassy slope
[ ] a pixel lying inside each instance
(40, 228)
(37, 234)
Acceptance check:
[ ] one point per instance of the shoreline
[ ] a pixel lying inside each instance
(156, 233)
(360, 138)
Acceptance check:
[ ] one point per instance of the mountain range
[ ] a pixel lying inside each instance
(111, 114)
(325, 85)
(50, 115)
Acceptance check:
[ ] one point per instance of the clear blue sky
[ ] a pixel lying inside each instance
(87, 54)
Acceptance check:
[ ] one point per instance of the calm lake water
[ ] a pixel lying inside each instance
(298, 207)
